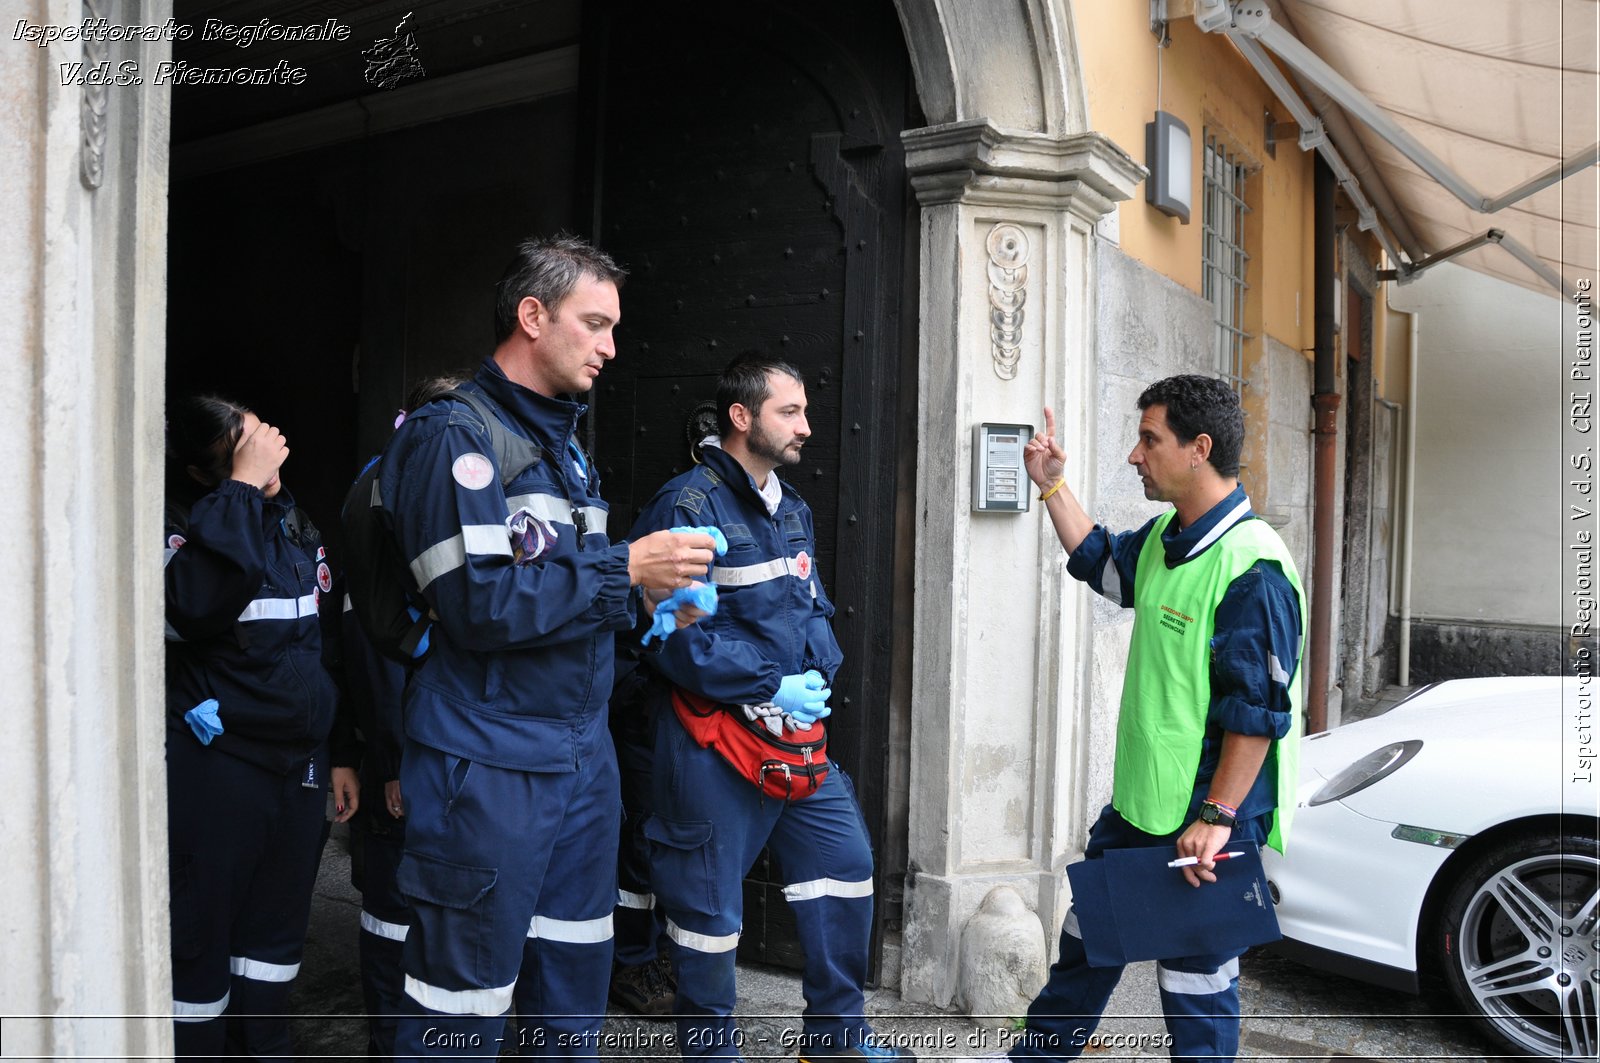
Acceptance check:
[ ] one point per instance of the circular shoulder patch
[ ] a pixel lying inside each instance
(802, 565)
(324, 577)
(473, 471)
(174, 541)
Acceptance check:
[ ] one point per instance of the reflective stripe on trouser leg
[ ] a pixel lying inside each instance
(1200, 998)
(566, 954)
(819, 847)
(709, 826)
(198, 1029)
(704, 963)
(385, 924)
(381, 991)
(478, 844)
(566, 967)
(637, 928)
(245, 844)
(205, 891)
(270, 933)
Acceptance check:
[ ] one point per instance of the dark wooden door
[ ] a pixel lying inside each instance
(749, 175)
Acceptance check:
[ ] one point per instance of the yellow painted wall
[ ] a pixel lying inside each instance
(1206, 83)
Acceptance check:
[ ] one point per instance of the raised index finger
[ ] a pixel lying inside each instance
(1049, 423)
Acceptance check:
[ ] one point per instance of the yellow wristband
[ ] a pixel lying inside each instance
(1059, 484)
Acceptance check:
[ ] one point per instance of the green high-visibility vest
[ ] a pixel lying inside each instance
(1167, 690)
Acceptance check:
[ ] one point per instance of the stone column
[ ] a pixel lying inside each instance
(83, 184)
(1000, 716)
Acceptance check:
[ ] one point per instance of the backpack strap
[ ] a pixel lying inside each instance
(514, 454)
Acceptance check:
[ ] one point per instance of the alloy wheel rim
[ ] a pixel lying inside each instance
(1530, 952)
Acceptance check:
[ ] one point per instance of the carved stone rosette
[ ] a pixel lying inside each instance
(1008, 290)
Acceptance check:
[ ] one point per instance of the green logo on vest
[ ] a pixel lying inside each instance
(1175, 621)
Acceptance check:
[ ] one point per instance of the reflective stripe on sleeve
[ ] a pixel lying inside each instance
(711, 943)
(261, 971)
(1275, 668)
(556, 510)
(826, 887)
(185, 1011)
(571, 931)
(485, 1002)
(489, 540)
(1190, 983)
(380, 928)
(1111, 582)
(641, 901)
(279, 608)
(745, 575)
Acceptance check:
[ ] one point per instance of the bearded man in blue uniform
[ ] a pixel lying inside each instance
(767, 651)
(509, 774)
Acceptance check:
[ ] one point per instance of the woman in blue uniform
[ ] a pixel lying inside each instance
(250, 704)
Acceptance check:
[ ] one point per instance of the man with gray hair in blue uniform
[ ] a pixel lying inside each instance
(509, 774)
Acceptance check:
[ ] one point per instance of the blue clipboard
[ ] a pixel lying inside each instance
(1131, 906)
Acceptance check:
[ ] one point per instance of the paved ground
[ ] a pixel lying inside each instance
(1291, 1012)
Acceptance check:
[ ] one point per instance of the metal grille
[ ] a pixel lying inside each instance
(1223, 257)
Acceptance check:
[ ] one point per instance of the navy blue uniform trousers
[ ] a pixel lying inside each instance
(710, 826)
(377, 840)
(639, 926)
(1199, 994)
(511, 877)
(244, 845)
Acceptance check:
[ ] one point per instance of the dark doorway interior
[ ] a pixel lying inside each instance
(750, 175)
(329, 246)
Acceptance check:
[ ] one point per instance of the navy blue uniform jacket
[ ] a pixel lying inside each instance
(520, 664)
(247, 601)
(772, 613)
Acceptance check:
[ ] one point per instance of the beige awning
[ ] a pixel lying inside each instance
(1499, 90)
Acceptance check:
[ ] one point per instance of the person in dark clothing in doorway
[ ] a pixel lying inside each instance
(509, 776)
(251, 703)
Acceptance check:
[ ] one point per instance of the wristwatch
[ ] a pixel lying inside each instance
(1213, 816)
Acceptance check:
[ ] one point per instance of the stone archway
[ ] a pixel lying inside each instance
(1013, 63)
(1010, 184)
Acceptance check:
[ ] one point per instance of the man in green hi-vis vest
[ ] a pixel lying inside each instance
(1208, 734)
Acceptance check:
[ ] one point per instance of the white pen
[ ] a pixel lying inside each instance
(1190, 861)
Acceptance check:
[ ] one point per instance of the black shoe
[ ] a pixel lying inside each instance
(647, 990)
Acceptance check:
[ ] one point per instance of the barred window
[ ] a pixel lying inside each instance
(1224, 260)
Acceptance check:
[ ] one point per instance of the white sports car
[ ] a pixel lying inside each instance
(1455, 836)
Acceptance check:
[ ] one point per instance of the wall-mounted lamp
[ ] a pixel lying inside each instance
(1167, 154)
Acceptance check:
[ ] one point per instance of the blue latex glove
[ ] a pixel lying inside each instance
(715, 533)
(804, 697)
(703, 596)
(422, 644)
(203, 721)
